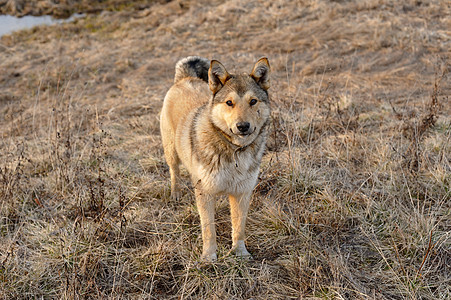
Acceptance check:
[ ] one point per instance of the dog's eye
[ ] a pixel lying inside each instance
(253, 102)
(229, 102)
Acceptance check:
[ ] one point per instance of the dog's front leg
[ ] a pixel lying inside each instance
(206, 206)
(239, 206)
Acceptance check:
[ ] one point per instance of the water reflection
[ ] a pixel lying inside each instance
(9, 24)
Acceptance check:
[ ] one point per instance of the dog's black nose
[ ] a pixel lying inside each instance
(243, 126)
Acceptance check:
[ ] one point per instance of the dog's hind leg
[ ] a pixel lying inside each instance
(174, 169)
(173, 161)
(239, 206)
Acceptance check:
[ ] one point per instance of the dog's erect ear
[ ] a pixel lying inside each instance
(217, 76)
(260, 73)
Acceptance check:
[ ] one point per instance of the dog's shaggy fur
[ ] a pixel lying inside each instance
(218, 132)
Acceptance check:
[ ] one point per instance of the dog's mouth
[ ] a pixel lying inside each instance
(243, 134)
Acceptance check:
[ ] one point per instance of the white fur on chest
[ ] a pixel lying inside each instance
(231, 177)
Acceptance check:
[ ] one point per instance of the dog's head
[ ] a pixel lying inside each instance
(240, 103)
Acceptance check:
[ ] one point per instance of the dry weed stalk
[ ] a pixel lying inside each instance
(416, 130)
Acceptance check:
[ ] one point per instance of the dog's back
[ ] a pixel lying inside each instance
(188, 92)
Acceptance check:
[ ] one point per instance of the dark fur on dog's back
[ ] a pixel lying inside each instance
(192, 66)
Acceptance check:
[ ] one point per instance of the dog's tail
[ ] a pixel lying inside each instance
(192, 66)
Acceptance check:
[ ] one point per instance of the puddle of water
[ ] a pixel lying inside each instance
(9, 24)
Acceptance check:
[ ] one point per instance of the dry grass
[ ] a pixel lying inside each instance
(355, 189)
(65, 8)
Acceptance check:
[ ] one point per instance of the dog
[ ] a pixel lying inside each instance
(216, 125)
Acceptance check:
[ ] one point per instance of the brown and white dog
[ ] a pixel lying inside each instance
(218, 131)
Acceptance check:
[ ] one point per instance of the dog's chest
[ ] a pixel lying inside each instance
(235, 176)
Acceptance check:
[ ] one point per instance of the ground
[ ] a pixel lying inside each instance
(353, 200)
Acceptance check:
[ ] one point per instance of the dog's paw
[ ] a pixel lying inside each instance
(242, 253)
(239, 249)
(209, 257)
(176, 195)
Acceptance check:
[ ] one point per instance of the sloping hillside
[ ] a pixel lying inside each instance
(354, 195)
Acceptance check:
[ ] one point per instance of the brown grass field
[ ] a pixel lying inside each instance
(354, 196)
